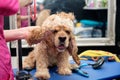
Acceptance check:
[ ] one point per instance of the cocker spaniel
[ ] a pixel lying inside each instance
(56, 44)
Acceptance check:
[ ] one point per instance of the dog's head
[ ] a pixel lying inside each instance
(62, 37)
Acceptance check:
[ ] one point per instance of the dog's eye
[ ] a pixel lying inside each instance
(68, 32)
(55, 31)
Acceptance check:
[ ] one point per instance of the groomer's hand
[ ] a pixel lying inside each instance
(27, 30)
(24, 3)
(33, 35)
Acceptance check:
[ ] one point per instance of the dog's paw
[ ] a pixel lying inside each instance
(65, 71)
(26, 65)
(42, 75)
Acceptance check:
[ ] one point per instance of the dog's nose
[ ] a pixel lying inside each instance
(62, 39)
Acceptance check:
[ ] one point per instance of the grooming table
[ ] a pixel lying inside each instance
(108, 71)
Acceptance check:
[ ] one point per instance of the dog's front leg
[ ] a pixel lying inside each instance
(29, 61)
(63, 63)
(42, 71)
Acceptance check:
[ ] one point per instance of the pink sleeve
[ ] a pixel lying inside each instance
(8, 7)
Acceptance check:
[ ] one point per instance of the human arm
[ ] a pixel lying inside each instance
(24, 17)
(15, 34)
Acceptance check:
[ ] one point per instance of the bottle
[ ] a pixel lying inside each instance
(99, 3)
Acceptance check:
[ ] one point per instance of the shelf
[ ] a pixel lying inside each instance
(94, 8)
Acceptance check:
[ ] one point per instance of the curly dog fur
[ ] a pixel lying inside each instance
(56, 44)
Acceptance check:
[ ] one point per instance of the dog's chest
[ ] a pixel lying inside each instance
(52, 60)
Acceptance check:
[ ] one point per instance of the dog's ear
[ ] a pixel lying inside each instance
(69, 15)
(73, 49)
(49, 37)
(37, 35)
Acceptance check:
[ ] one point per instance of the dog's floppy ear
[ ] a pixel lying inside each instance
(73, 49)
(37, 35)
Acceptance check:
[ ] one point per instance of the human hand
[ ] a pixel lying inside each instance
(36, 34)
(27, 30)
(33, 34)
(24, 3)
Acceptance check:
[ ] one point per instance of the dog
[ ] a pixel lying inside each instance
(56, 44)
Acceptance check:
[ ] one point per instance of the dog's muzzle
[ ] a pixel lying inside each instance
(62, 39)
(61, 47)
